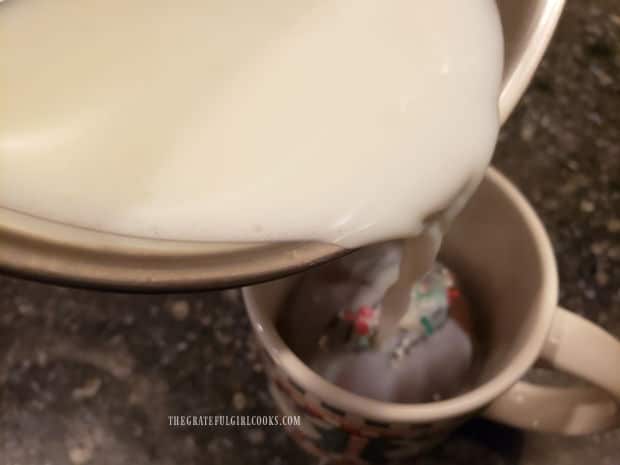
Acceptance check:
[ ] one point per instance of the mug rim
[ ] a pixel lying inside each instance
(463, 404)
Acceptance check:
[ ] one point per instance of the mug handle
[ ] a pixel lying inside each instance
(576, 346)
(528, 26)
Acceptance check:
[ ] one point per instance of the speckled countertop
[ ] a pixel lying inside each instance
(90, 377)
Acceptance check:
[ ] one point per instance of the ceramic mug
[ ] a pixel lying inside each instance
(501, 252)
(53, 251)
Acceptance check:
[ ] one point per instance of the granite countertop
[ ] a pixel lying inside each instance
(90, 377)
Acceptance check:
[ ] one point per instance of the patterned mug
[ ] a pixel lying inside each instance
(501, 252)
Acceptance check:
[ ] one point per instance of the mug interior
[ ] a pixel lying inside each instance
(500, 251)
(508, 270)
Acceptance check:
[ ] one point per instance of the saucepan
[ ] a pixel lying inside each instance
(46, 250)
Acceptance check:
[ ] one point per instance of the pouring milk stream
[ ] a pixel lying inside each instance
(341, 121)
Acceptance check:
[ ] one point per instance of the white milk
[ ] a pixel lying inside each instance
(344, 121)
